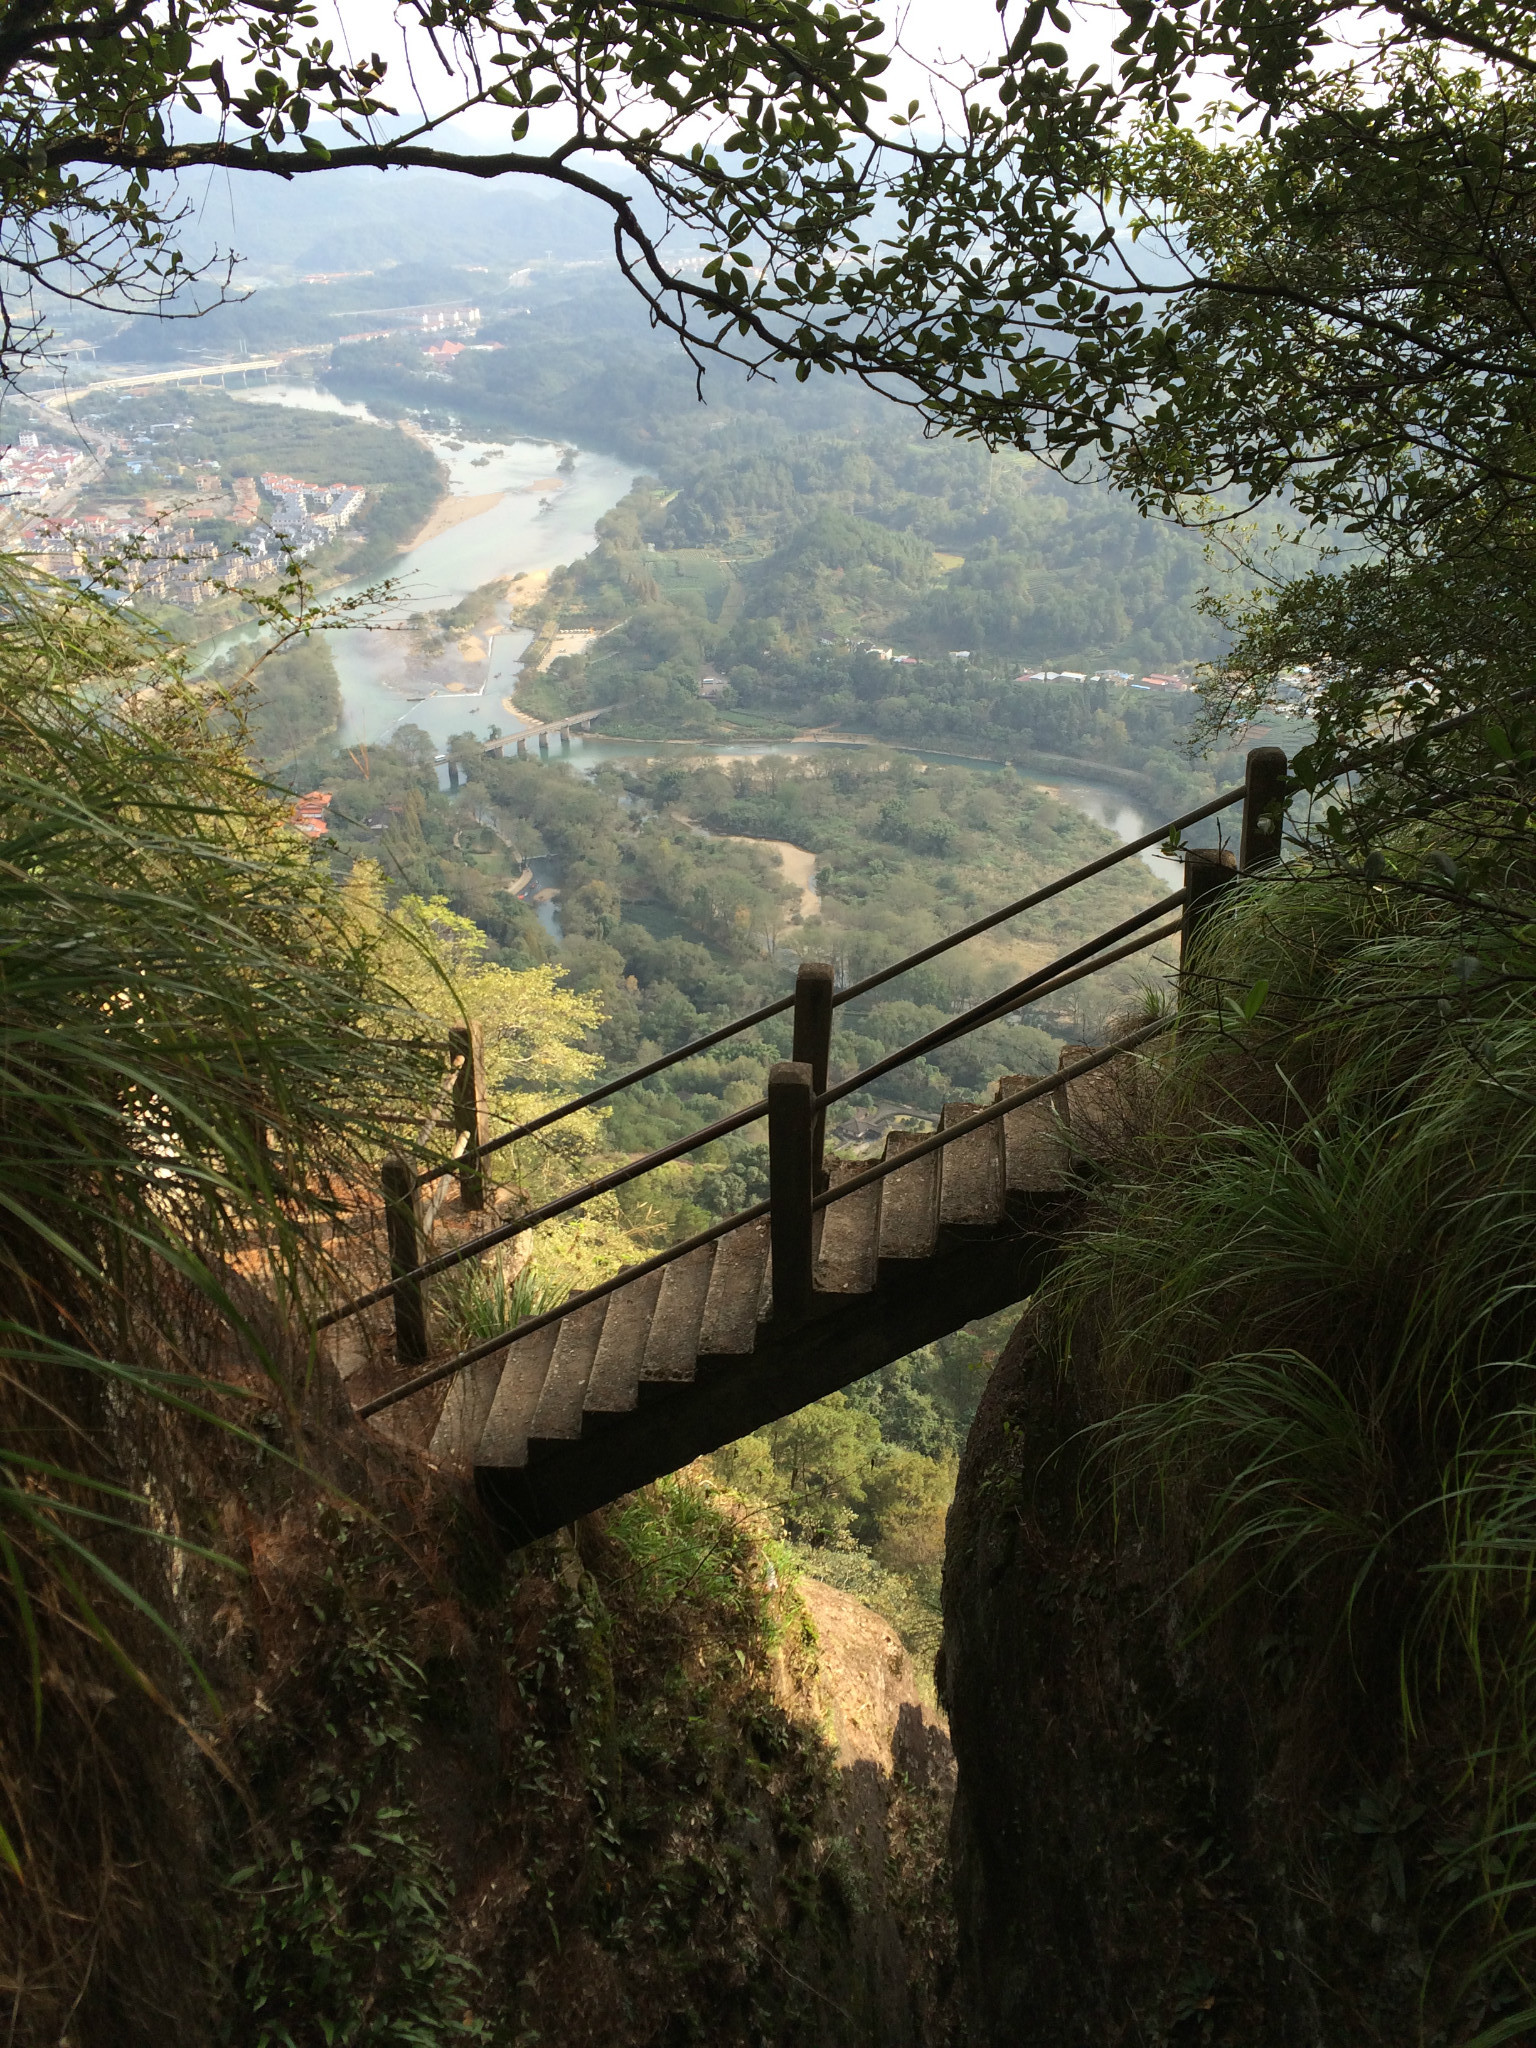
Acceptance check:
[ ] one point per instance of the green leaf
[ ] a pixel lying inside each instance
(1255, 999)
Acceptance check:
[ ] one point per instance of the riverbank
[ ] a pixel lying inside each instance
(451, 511)
(744, 744)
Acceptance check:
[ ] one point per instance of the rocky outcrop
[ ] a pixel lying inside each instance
(891, 1800)
(1141, 1855)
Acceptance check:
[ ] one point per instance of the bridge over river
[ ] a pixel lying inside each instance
(576, 721)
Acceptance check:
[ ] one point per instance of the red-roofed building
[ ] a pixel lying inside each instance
(308, 813)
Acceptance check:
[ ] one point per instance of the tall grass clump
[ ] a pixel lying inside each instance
(1305, 1316)
(195, 1052)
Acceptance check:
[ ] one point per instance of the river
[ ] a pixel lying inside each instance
(539, 518)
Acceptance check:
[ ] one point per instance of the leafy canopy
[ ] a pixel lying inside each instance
(1322, 291)
(1045, 257)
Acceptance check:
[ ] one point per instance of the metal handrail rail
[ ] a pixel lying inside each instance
(1352, 764)
(1105, 861)
(1089, 958)
(487, 1240)
(489, 1346)
(1070, 967)
(1012, 998)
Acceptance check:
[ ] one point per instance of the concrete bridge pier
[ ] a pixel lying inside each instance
(522, 750)
(543, 742)
(565, 739)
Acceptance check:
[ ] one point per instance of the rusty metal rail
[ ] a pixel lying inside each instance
(799, 1096)
(877, 1172)
(1073, 966)
(920, 958)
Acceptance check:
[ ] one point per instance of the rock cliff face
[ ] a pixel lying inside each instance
(628, 1789)
(891, 1797)
(1133, 1860)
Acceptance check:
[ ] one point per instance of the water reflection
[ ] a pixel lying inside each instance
(543, 893)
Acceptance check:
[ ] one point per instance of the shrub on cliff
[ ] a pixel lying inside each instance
(1304, 1313)
(192, 1032)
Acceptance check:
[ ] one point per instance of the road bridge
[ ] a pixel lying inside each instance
(575, 721)
(185, 373)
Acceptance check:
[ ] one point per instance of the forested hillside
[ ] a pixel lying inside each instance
(784, 517)
(286, 700)
(834, 569)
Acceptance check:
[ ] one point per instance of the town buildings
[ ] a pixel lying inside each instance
(34, 469)
(305, 515)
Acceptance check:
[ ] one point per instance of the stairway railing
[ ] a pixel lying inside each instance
(798, 1094)
(854, 990)
(790, 1214)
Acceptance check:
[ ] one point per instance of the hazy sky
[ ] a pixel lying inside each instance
(932, 33)
(261, 217)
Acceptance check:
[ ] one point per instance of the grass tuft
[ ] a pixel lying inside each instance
(1306, 1310)
(197, 1051)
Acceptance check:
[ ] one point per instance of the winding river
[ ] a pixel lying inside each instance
(536, 516)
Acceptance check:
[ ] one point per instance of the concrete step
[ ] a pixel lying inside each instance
(848, 1256)
(672, 1347)
(1097, 1108)
(737, 1287)
(557, 1418)
(466, 1405)
(1036, 1149)
(504, 1439)
(614, 1387)
(909, 1205)
(971, 1172)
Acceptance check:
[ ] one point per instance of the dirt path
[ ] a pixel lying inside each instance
(799, 865)
(799, 868)
(571, 640)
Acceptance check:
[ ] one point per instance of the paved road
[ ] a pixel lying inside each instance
(193, 373)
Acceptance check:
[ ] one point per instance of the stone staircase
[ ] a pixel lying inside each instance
(685, 1359)
(688, 1350)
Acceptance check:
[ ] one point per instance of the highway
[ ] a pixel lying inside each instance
(189, 373)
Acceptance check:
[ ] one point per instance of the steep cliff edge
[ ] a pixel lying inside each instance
(1119, 1872)
(892, 1797)
(630, 1787)
(1240, 1583)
